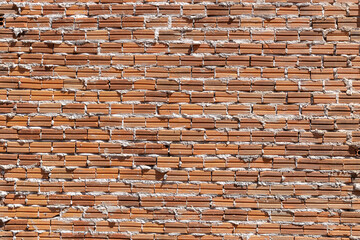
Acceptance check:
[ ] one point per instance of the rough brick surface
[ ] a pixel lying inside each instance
(179, 120)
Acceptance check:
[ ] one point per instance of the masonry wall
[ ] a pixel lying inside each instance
(179, 120)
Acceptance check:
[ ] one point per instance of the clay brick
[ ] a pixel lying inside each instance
(179, 120)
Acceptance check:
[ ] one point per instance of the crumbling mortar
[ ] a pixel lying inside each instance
(209, 116)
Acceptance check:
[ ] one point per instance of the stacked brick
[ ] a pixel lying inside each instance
(180, 120)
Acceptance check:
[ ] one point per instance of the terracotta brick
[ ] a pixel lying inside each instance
(179, 120)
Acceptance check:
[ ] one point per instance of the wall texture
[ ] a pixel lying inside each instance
(177, 120)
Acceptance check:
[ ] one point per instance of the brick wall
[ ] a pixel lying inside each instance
(179, 120)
